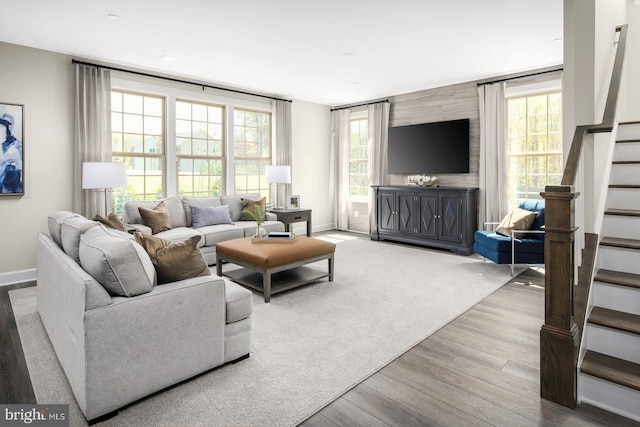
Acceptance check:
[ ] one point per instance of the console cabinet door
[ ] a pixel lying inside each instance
(406, 223)
(450, 217)
(427, 215)
(386, 211)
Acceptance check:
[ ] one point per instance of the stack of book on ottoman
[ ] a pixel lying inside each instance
(276, 237)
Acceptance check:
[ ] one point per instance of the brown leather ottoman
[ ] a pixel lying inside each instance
(274, 267)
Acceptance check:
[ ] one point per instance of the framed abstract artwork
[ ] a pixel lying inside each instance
(12, 154)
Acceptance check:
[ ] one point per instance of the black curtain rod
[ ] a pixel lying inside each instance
(520, 77)
(139, 73)
(358, 105)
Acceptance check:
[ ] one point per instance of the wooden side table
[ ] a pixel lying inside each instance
(289, 216)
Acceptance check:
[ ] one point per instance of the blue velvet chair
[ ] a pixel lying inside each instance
(522, 247)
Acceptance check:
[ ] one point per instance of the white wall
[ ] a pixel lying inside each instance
(43, 82)
(629, 106)
(311, 134)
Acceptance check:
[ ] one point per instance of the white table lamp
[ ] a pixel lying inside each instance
(103, 176)
(278, 174)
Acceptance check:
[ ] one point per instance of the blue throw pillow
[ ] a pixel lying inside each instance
(210, 215)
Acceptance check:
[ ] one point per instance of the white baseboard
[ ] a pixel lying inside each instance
(21, 276)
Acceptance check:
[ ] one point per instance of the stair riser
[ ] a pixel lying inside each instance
(624, 198)
(625, 174)
(613, 342)
(628, 131)
(616, 297)
(626, 151)
(609, 396)
(622, 260)
(625, 227)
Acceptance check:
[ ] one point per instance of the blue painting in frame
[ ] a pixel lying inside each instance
(12, 154)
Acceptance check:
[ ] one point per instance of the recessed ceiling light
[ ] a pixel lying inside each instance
(169, 58)
(113, 16)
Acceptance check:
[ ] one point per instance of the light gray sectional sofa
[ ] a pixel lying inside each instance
(120, 336)
(182, 225)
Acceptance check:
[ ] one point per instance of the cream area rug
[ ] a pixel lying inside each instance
(309, 345)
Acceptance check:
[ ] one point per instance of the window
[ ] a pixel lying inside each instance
(252, 150)
(358, 160)
(534, 144)
(199, 148)
(137, 138)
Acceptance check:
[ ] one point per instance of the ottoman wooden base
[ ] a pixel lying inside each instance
(274, 267)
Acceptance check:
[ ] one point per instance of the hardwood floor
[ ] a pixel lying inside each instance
(479, 370)
(482, 369)
(15, 385)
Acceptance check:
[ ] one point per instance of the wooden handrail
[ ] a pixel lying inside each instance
(560, 336)
(608, 117)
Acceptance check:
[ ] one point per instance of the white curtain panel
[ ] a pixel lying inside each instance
(378, 121)
(341, 135)
(493, 158)
(283, 146)
(92, 137)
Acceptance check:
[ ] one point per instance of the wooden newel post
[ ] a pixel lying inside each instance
(559, 344)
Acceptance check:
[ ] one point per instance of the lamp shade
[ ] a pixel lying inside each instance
(277, 174)
(104, 175)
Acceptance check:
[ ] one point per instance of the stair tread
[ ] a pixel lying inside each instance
(618, 278)
(624, 185)
(622, 321)
(624, 212)
(612, 369)
(620, 242)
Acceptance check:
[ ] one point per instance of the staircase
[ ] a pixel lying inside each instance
(609, 375)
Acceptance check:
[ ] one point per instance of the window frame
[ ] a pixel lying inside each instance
(527, 91)
(359, 117)
(171, 91)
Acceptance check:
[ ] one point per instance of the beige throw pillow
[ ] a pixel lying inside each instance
(157, 219)
(250, 205)
(517, 219)
(112, 221)
(174, 260)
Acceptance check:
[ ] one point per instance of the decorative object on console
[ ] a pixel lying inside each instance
(103, 176)
(294, 202)
(278, 174)
(12, 155)
(423, 180)
(254, 210)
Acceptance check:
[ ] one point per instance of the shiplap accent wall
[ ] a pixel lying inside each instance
(441, 104)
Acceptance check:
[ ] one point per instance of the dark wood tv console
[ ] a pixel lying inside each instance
(441, 217)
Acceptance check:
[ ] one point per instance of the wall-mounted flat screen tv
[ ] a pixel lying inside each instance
(431, 148)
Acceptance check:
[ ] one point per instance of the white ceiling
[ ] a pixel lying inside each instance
(326, 51)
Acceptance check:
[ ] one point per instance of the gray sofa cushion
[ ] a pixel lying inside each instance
(120, 264)
(71, 230)
(54, 222)
(174, 206)
(235, 204)
(214, 234)
(198, 201)
(238, 301)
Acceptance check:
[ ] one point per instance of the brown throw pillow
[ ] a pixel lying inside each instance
(250, 205)
(174, 260)
(112, 221)
(157, 219)
(517, 219)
